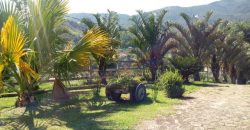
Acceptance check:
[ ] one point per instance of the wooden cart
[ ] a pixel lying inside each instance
(137, 92)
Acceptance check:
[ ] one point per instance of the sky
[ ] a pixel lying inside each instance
(128, 6)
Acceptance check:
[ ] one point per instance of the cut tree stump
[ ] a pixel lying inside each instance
(59, 92)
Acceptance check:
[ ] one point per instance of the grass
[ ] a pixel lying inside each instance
(81, 112)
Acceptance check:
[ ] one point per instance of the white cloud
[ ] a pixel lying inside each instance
(128, 6)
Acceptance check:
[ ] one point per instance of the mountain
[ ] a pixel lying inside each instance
(123, 18)
(232, 10)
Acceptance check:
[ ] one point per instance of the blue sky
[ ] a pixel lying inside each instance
(128, 6)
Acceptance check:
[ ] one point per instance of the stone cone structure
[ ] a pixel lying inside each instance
(59, 92)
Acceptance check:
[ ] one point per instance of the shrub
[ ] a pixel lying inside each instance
(186, 66)
(125, 82)
(172, 83)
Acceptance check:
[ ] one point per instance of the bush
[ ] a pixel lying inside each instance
(126, 81)
(186, 66)
(172, 83)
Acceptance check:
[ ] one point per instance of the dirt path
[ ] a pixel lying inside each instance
(225, 107)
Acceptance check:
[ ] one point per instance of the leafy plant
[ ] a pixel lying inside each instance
(186, 66)
(126, 82)
(171, 81)
(151, 40)
(197, 38)
(110, 24)
(12, 57)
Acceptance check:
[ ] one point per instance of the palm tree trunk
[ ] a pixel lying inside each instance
(24, 95)
(102, 70)
(215, 69)
(241, 78)
(233, 74)
(153, 68)
(225, 71)
(197, 76)
(186, 79)
(162, 69)
(153, 73)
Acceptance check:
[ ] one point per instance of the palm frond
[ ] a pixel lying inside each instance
(88, 22)
(187, 20)
(208, 16)
(12, 52)
(94, 42)
(7, 8)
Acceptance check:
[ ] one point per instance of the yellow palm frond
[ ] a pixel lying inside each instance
(12, 43)
(27, 71)
(95, 41)
(12, 40)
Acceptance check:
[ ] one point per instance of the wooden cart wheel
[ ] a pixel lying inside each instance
(139, 93)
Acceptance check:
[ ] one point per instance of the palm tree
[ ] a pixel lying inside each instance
(197, 38)
(151, 39)
(7, 8)
(227, 52)
(110, 24)
(73, 58)
(43, 29)
(13, 56)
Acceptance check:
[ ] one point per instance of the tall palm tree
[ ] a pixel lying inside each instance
(197, 38)
(110, 24)
(7, 8)
(13, 56)
(43, 30)
(152, 39)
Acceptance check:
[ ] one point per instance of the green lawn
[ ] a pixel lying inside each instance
(79, 113)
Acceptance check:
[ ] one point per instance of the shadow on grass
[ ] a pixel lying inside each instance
(186, 98)
(203, 84)
(75, 114)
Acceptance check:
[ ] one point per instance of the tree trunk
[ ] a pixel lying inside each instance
(241, 78)
(153, 68)
(186, 79)
(153, 72)
(215, 69)
(102, 70)
(225, 70)
(162, 66)
(233, 74)
(197, 76)
(24, 99)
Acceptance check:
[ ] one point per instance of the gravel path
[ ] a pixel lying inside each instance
(222, 107)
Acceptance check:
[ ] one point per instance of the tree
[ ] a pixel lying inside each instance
(196, 40)
(13, 56)
(227, 51)
(186, 66)
(73, 58)
(151, 39)
(7, 8)
(43, 30)
(110, 24)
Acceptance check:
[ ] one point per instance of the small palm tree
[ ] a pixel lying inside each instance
(12, 57)
(110, 24)
(197, 38)
(73, 58)
(152, 39)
